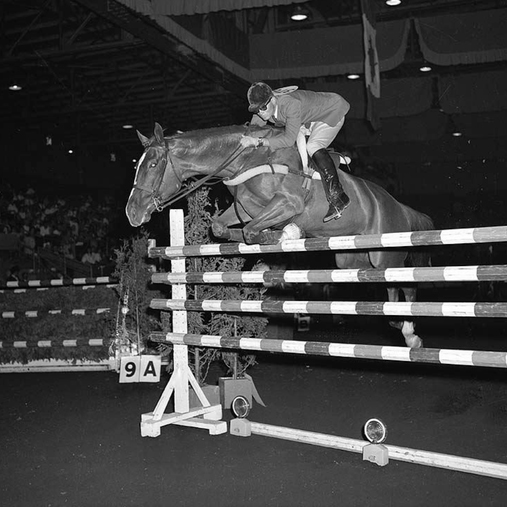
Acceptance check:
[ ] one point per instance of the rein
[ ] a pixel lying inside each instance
(161, 204)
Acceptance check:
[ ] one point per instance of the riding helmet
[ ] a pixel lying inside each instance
(259, 94)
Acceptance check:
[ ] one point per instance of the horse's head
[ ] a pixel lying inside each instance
(152, 184)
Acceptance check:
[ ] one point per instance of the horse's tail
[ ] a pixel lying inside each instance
(419, 256)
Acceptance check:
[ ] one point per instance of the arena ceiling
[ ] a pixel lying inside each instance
(89, 67)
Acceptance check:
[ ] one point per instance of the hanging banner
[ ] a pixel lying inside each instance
(371, 62)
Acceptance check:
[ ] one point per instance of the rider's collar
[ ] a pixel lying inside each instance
(275, 114)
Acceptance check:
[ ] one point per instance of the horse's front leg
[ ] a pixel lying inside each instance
(407, 327)
(279, 209)
(220, 226)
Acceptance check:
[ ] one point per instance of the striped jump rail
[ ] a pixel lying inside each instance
(416, 309)
(428, 274)
(61, 282)
(489, 359)
(23, 344)
(366, 242)
(41, 313)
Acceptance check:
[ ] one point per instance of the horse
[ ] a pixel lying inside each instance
(274, 199)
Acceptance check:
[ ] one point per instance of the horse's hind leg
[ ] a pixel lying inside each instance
(407, 327)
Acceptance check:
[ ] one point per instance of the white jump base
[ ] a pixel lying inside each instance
(208, 416)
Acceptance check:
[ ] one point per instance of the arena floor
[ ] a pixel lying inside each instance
(73, 439)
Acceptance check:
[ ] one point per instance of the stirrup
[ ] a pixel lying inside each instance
(332, 214)
(335, 211)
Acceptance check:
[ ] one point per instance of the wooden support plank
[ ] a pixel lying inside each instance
(150, 425)
(213, 427)
(433, 459)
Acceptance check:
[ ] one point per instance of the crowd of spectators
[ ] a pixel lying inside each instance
(71, 228)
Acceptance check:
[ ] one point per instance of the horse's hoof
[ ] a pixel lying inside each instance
(414, 342)
(219, 231)
(291, 231)
(411, 339)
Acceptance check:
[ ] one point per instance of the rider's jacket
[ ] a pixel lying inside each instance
(302, 107)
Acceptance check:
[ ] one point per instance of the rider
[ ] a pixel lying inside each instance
(323, 113)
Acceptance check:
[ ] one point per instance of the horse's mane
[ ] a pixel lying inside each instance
(202, 140)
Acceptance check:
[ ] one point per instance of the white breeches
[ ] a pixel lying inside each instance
(321, 136)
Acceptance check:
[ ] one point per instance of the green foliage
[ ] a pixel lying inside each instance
(58, 327)
(136, 320)
(197, 231)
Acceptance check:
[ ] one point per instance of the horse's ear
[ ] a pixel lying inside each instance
(159, 133)
(144, 140)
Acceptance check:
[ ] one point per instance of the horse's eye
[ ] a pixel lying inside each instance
(153, 164)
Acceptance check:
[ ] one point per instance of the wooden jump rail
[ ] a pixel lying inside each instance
(433, 274)
(209, 416)
(388, 240)
(61, 282)
(24, 344)
(60, 311)
(416, 309)
(423, 355)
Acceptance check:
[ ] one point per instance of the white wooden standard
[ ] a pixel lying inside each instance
(208, 416)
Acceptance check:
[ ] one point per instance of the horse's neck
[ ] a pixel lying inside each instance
(206, 162)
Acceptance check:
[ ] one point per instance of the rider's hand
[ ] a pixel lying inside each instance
(247, 141)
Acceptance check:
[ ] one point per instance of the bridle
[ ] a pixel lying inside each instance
(155, 189)
(158, 202)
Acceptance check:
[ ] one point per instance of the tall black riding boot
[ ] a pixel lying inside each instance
(337, 198)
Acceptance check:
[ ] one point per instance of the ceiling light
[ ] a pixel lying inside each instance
(353, 76)
(452, 128)
(392, 3)
(15, 88)
(425, 68)
(128, 126)
(299, 13)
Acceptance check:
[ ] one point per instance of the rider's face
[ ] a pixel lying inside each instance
(268, 110)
